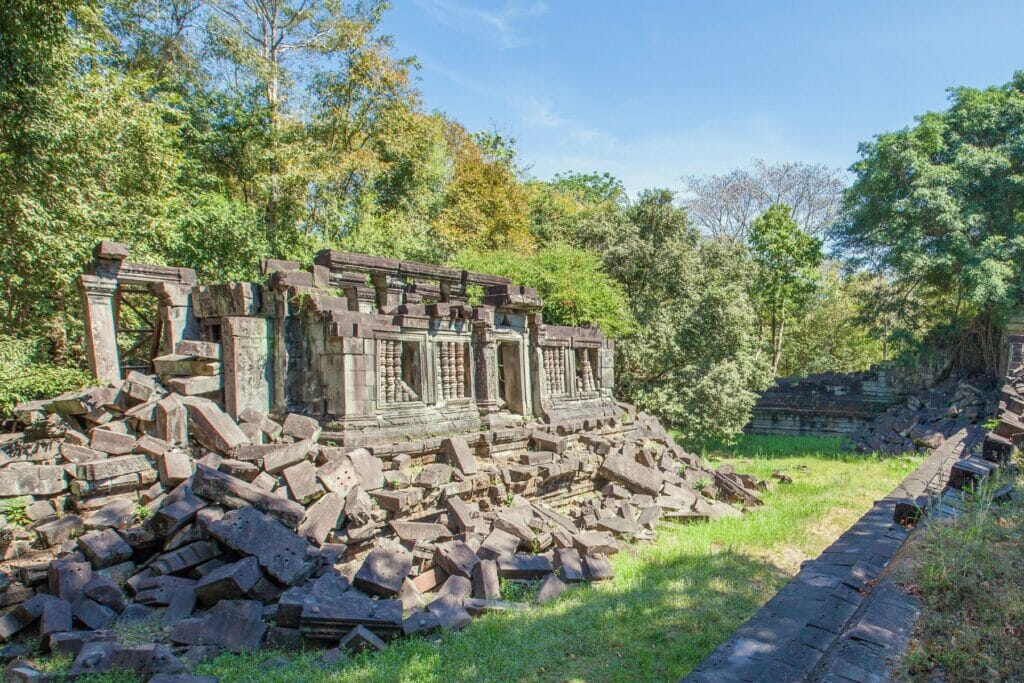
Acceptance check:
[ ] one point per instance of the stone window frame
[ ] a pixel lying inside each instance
(418, 343)
(469, 379)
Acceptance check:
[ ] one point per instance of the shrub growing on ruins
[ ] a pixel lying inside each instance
(571, 281)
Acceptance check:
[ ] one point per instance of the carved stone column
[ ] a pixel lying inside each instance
(248, 367)
(390, 292)
(100, 327)
(486, 366)
(176, 312)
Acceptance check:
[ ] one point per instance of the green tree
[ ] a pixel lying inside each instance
(787, 261)
(570, 280)
(937, 208)
(692, 358)
(836, 332)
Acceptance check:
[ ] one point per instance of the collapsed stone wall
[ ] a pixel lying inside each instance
(834, 403)
(175, 498)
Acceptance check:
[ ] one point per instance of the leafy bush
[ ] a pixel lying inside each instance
(26, 375)
(570, 280)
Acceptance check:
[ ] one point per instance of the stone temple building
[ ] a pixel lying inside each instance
(378, 350)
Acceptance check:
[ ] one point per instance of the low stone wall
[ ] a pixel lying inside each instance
(833, 404)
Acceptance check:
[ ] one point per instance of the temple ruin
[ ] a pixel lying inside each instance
(337, 456)
(376, 349)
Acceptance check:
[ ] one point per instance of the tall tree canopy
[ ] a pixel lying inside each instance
(939, 209)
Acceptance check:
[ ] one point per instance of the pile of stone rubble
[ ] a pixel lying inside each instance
(134, 504)
(925, 420)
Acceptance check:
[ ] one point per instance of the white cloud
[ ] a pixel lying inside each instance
(500, 26)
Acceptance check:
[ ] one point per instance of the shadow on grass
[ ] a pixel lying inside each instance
(657, 622)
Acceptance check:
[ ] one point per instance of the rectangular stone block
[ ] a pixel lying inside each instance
(214, 428)
(285, 556)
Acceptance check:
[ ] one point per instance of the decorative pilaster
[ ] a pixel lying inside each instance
(101, 327)
(486, 367)
(179, 321)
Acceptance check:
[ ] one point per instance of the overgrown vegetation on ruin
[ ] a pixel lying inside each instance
(670, 604)
(968, 574)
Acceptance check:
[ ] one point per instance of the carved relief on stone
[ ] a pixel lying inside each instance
(394, 388)
(554, 371)
(451, 369)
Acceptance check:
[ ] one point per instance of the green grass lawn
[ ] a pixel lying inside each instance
(670, 604)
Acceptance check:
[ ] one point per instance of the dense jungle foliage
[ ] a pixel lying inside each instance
(211, 133)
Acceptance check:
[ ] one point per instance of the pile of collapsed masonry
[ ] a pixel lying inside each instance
(925, 420)
(132, 503)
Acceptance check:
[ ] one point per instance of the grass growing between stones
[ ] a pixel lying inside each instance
(669, 605)
(969, 576)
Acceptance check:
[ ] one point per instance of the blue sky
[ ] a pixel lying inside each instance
(654, 91)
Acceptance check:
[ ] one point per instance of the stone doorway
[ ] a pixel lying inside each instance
(510, 377)
(139, 328)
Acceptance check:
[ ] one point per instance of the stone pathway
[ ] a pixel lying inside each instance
(827, 623)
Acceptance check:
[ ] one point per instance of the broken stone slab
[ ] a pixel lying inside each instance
(591, 542)
(458, 454)
(369, 469)
(110, 468)
(182, 365)
(969, 472)
(461, 514)
(455, 557)
(384, 570)
(32, 480)
(598, 568)
(420, 531)
(338, 476)
(172, 516)
(536, 458)
(114, 443)
(322, 518)
(486, 583)
(302, 483)
(172, 421)
(398, 501)
(221, 488)
(60, 530)
(106, 592)
(196, 385)
(421, 622)
(450, 613)
(359, 639)
(550, 590)
(184, 558)
(524, 566)
(331, 619)
(631, 474)
(301, 427)
(543, 441)
(358, 507)
(151, 446)
(214, 428)
(91, 614)
(285, 556)
(229, 582)
(78, 454)
(198, 349)
(66, 578)
(433, 476)
(234, 625)
(160, 590)
(569, 565)
(283, 456)
(497, 544)
(104, 548)
(173, 467)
